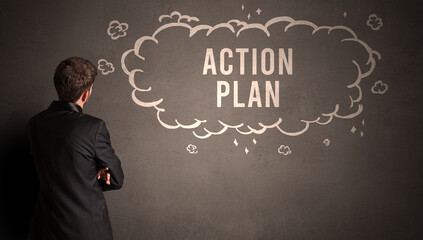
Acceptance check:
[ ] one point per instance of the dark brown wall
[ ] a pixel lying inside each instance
(358, 187)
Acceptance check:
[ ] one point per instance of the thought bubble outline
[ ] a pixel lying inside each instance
(244, 26)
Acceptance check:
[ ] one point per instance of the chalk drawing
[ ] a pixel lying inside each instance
(246, 150)
(117, 30)
(345, 14)
(326, 142)
(236, 143)
(180, 21)
(242, 7)
(354, 129)
(258, 11)
(284, 150)
(105, 67)
(254, 141)
(374, 22)
(379, 87)
(192, 149)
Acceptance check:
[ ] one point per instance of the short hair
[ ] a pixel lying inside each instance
(74, 76)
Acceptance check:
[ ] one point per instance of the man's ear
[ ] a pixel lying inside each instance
(84, 96)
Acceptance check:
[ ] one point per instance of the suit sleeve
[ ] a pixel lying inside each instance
(106, 157)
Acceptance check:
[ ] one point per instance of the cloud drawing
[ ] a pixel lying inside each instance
(374, 22)
(379, 87)
(105, 67)
(192, 33)
(117, 30)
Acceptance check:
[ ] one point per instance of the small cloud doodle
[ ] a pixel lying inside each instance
(374, 22)
(117, 30)
(105, 67)
(192, 149)
(379, 87)
(326, 142)
(284, 150)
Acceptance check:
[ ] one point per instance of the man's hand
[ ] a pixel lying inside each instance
(103, 174)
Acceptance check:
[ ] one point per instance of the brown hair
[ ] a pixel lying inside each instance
(74, 76)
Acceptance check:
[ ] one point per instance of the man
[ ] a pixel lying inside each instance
(74, 159)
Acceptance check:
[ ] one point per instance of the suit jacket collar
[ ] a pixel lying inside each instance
(62, 105)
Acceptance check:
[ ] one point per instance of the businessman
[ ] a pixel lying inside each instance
(74, 159)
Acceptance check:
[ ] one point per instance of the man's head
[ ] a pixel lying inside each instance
(74, 78)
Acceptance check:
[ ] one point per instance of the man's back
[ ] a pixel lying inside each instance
(69, 147)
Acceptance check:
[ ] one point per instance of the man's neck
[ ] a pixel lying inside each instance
(80, 103)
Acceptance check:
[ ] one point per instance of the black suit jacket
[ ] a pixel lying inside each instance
(68, 148)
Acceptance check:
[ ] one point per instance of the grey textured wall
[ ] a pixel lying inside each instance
(366, 184)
